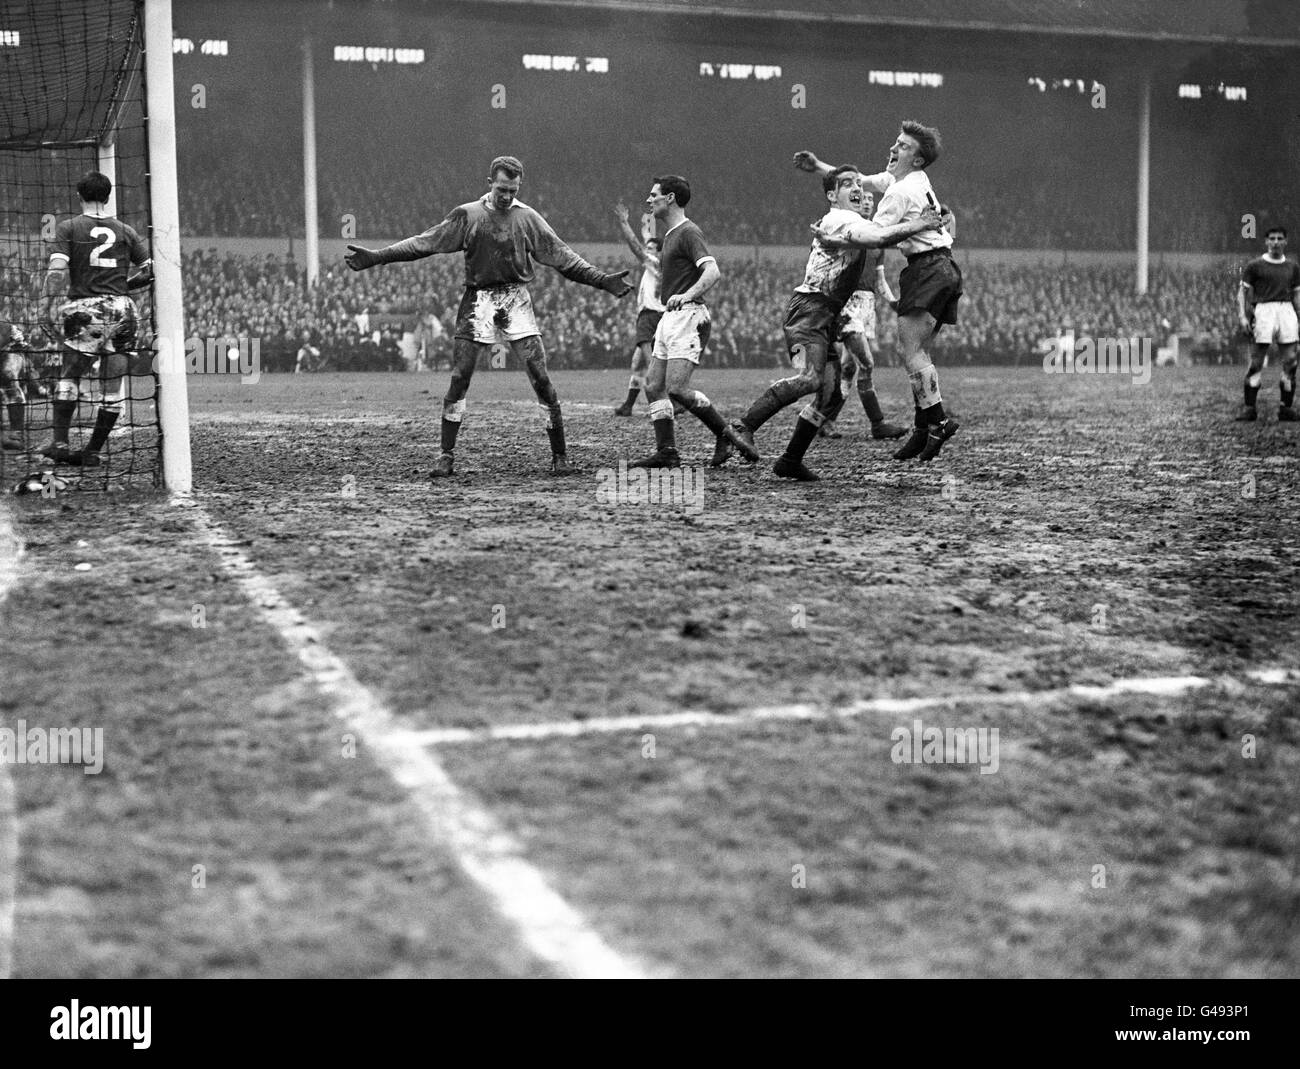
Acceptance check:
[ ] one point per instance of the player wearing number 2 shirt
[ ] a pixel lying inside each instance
(90, 263)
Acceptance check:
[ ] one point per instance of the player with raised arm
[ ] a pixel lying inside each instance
(501, 238)
(1268, 307)
(90, 264)
(831, 276)
(929, 287)
(649, 308)
(687, 272)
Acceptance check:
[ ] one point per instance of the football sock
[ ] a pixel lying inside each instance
(632, 393)
(1251, 392)
(772, 400)
(836, 405)
(450, 429)
(17, 416)
(870, 404)
(702, 409)
(556, 435)
(661, 418)
(925, 393)
(453, 413)
(1286, 386)
(63, 413)
(104, 421)
(805, 430)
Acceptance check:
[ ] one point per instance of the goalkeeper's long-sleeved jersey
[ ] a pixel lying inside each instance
(500, 247)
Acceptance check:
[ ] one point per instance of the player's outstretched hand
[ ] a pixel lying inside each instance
(359, 259)
(616, 284)
(806, 161)
(620, 209)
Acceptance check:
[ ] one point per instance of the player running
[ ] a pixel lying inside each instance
(830, 278)
(929, 287)
(649, 308)
(90, 263)
(687, 272)
(1271, 285)
(501, 238)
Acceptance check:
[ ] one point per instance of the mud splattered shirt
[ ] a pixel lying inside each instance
(500, 246)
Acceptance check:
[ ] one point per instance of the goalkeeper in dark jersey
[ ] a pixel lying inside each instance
(501, 238)
(90, 262)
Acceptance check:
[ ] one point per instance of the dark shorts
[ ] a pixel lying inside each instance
(931, 282)
(811, 324)
(646, 321)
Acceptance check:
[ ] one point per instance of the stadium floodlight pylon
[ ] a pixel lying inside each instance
(87, 85)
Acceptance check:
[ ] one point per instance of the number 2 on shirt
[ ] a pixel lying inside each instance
(96, 260)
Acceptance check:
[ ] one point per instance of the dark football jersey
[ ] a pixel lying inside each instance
(100, 252)
(1270, 281)
(679, 259)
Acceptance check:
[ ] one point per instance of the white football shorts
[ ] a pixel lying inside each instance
(683, 333)
(498, 313)
(859, 315)
(1275, 321)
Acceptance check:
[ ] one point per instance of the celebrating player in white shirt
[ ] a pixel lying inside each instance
(929, 287)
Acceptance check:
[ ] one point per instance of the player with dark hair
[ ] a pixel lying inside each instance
(929, 287)
(90, 262)
(501, 238)
(687, 272)
(649, 308)
(857, 336)
(1270, 284)
(831, 276)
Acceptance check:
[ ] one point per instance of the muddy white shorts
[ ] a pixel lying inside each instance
(496, 313)
(682, 333)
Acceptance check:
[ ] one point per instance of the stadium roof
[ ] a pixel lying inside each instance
(1240, 22)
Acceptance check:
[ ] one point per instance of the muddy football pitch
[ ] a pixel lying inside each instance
(1030, 710)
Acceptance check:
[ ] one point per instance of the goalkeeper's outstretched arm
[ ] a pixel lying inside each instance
(447, 236)
(549, 249)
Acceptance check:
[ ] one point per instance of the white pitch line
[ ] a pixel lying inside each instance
(548, 926)
(11, 555)
(1159, 685)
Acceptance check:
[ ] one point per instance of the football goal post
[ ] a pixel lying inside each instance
(86, 85)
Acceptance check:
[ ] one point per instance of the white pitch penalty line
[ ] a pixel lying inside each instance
(1163, 686)
(548, 926)
(11, 555)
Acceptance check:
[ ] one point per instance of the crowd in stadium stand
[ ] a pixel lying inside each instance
(402, 316)
(390, 202)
